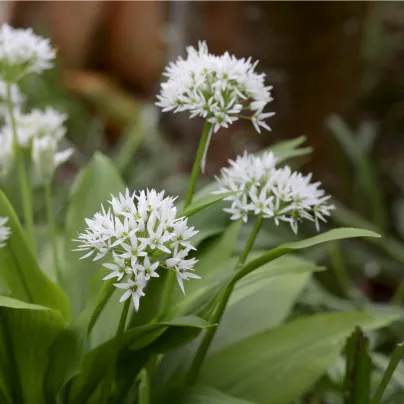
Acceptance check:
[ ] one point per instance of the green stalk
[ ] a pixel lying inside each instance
(395, 359)
(166, 296)
(52, 227)
(22, 176)
(250, 241)
(102, 299)
(144, 387)
(109, 379)
(218, 313)
(339, 267)
(203, 143)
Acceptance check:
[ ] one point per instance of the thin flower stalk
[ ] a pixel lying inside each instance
(218, 313)
(51, 225)
(26, 192)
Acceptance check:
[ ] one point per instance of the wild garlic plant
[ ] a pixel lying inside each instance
(223, 89)
(136, 245)
(37, 133)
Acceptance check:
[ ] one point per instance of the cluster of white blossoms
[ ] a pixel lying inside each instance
(141, 235)
(277, 193)
(39, 132)
(221, 89)
(23, 52)
(4, 231)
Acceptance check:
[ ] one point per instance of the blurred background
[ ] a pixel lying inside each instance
(338, 74)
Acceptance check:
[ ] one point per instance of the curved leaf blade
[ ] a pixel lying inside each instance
(20, 276)
(292, 357)
(27, 332)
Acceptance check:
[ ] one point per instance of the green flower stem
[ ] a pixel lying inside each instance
(166, 296)
(169, 283)
(250, 241)
(395, 359)
(52, 227)
(109, 379)
(101, 301)
(197, 164)
(22, 176)
(218, 313)
(144, 387)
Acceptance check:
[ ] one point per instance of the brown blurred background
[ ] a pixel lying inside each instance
(343, 58)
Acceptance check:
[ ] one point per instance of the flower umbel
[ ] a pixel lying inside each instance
(143, 235)
(40, 132)
(276, 193)
(221, 89)
(4, 231)
(23, 52)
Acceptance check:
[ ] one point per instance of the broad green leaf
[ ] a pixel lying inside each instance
(93, 187)
(205, 395)
(26, 334)
(204, 202)
(261, 301)
(218, 252)
(20, 275)
(142, 340)
(74, 342)
(335, 234)
(65, 357)
(109, 312)
(292, 357)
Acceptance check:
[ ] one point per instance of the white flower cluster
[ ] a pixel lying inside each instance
(40, 132)
(4, 231)
(277, 193)
(143, 235)
(23, 52)
(220, 89)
